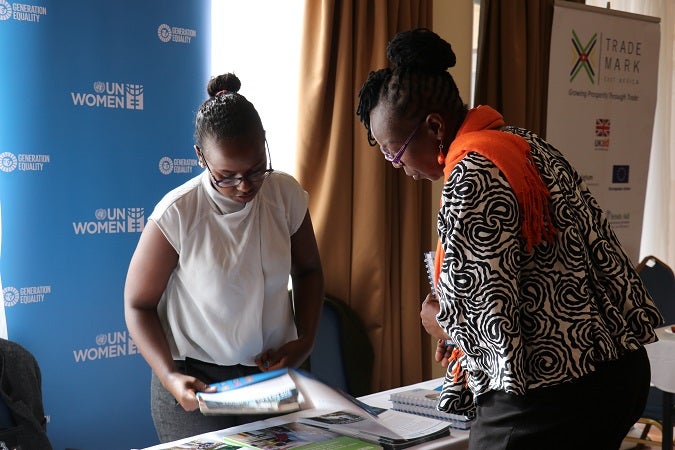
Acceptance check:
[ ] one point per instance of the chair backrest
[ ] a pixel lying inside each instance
(660, 283)
(342, 355)
(21, 393)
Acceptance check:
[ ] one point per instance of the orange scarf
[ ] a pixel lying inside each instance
(511, 154)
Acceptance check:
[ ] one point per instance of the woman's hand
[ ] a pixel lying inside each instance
(184, 388)
(430, 308)
(443, 352)
(291, 354)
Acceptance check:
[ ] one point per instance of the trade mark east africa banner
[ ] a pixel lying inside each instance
(601, 102)
(97, 106)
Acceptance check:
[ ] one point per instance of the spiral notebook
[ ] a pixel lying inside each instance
(422, 402)
(429, 264)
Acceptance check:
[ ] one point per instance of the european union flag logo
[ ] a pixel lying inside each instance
(620, 174)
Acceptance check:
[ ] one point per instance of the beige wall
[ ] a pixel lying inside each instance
(454, 22)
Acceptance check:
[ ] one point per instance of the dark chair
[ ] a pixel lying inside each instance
(24, 423)
(660, 283)
(342, 355)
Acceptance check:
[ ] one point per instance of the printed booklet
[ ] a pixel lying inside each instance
(262, 393)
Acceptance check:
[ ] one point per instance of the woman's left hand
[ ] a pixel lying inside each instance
(291, 354)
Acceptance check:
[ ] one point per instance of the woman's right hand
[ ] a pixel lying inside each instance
(184, 389)
(443, 352)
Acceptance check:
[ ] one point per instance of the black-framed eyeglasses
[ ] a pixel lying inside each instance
(256, 176)
(396, 159)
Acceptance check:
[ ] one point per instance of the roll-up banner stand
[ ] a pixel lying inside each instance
(97, 106)
(601, 102)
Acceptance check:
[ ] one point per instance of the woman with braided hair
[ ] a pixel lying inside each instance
(544, 313)
(206, 295)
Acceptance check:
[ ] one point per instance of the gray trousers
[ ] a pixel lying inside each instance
(172, 422)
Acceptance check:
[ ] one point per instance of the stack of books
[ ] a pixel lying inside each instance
(422, 402)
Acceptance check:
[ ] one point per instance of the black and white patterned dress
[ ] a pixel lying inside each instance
(528, 320)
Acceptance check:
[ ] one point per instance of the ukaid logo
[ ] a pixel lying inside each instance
(618, 219)
(167, 165)
(108, 345)
(113, 221)
(22, 12)
(602, 129)
(109, 94)
(9, 162)
(167, 33)
(23, 295)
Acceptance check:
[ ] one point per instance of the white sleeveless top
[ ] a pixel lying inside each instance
(227, 299)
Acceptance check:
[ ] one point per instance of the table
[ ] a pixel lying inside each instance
(662, 360)
(458, 439)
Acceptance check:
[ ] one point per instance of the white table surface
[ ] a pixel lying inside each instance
(458, 439)
(662, 359)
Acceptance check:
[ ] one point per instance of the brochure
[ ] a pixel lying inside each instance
(296, 435)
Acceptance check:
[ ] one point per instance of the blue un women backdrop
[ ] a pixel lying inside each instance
(97, 105)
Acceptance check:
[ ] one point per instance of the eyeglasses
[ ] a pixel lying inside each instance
(396, 159)
(252, 177)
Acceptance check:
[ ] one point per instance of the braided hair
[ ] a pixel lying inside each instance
(226, 114)
(418, 83)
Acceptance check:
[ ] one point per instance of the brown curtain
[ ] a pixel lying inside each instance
(514, 43)
(371, 221)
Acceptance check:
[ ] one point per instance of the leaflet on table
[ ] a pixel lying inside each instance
(280, 391)
(391, 429)
(296, 435)
(204, 444)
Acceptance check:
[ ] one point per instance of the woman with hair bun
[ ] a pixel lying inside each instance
(206, 294)
(541, 318)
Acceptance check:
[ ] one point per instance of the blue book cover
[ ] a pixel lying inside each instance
(247, 380)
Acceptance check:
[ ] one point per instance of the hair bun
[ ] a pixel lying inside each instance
(420, 48)
(225, 82)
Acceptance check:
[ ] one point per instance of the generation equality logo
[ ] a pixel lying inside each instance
(24, 295)
(21, 12)
(167, 33)
(9, 162)
(168, 165)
